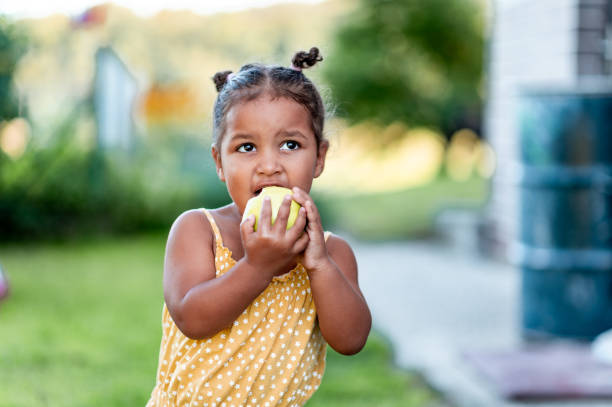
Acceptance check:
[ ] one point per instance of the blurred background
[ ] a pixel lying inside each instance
(107, 113)
(460, 139)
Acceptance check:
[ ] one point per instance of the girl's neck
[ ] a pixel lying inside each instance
(231, 211)
(228, 220)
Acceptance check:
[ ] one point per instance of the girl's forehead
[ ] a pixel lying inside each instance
(267, 101)
(267, 111)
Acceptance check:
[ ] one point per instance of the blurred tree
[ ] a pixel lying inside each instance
(415, 61)
(12, 47)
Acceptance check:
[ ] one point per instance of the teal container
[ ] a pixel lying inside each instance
(565, 249)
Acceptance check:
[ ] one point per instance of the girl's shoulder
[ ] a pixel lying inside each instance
(339, 249)
(205, 226)
(225, 216)
(206, 219)
(190, 227)
(342, 254)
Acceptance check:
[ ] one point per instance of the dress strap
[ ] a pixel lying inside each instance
(326, 235)
(215, 228)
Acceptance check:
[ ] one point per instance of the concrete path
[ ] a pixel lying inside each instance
(435, 302)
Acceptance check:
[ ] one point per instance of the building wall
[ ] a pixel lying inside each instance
(533, 43)
(593, 47)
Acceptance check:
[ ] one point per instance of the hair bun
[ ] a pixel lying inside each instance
(304, 59)
(220, 79)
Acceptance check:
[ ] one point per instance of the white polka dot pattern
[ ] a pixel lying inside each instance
(272, 355)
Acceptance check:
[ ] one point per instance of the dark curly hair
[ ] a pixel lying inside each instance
(253, 80)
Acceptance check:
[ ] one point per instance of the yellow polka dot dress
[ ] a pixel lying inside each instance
(272, 355)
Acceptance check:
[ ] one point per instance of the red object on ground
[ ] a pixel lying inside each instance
(4, 286)
(545, 372)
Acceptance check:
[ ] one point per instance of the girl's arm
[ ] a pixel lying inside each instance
(202, 304)
(344, 316)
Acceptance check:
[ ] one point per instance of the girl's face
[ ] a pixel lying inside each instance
(267, 141)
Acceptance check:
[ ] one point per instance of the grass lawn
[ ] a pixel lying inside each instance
(401, 214)
(82, 328)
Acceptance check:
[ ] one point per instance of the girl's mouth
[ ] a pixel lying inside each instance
(258, 191)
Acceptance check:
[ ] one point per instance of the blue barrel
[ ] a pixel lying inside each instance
(565, 249)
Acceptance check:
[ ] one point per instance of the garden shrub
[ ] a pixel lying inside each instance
(62, 190)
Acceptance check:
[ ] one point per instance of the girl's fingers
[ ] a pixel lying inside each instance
(300, 224)
(306, 201)
(300, 196)
(312, 213)
(301, 244)
(314, 222)
(280, 224)
(265, 216)
(246, 227)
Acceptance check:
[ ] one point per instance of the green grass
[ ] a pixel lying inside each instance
(82, 328)
(82, 323)
(370, 380)
(402, 214)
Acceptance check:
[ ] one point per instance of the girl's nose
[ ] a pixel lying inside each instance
(269, 164)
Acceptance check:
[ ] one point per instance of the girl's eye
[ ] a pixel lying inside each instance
(290, 145)
(246, 148)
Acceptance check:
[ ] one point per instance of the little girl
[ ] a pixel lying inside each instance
(248, 314)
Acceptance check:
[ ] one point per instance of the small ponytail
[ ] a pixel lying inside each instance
(220, 79)
(302, 59)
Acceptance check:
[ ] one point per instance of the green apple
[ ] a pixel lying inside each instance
(276, 195)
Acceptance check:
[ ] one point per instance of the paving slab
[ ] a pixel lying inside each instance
(436, 302)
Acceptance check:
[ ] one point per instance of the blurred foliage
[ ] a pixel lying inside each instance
(172, 54)
(65, 190)
(420, 62)
(68, 187)
(356, 162)
(399, 215)
(12, 47)
(394, 61)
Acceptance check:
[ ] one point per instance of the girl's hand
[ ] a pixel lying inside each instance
(315, 255)
(272, 249)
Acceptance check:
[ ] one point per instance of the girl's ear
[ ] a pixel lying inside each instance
(217, 157)
(320, 164)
